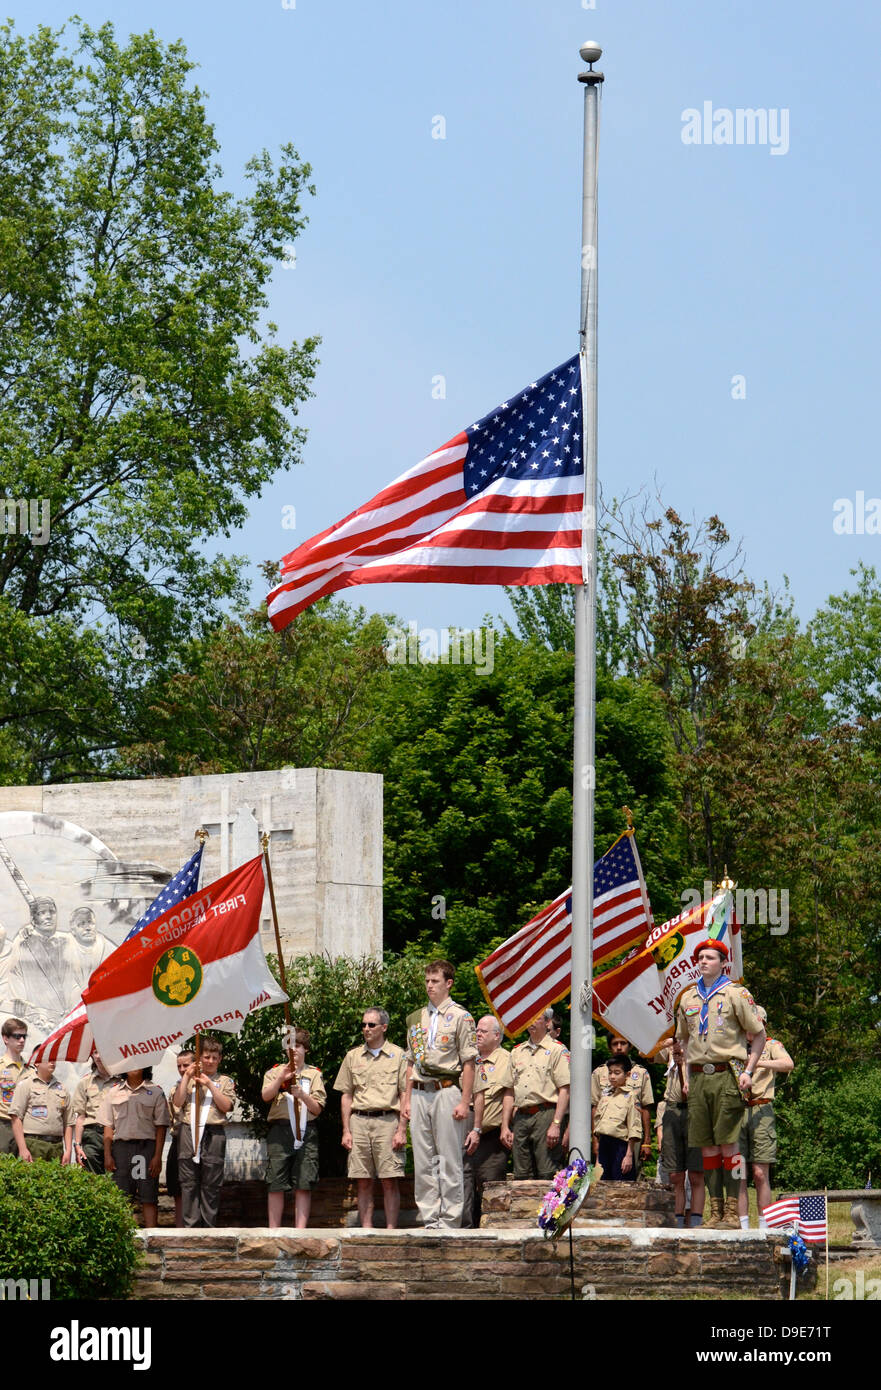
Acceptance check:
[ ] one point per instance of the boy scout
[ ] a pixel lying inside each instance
(441, 1052)
(12, 1069)
(200, 1163)
(88, 1130)
(618, 1125)
(541, 1098)
(675, 1154)
(372, 1081)
(172, 1172)
(40, 1112)
(715, 1018)
(135, 1118)
(758, 1137)
(290, 1168)
(490, 1141)
(639, 1083)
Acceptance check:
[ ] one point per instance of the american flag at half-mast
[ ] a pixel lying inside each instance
(532, 969)
(499, 503)
(72, 1040)
(808, 1214)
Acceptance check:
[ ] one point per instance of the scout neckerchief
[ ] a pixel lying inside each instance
(706, 995)
(303, 1083)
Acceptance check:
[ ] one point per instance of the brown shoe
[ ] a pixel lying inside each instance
(730, 1216)
(717, 1212)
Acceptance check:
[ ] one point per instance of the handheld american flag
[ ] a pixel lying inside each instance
(807, 1214)
(499, 503)
(532, 969)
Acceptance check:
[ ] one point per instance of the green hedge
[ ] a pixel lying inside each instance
(74, 1228)
(830, 1136)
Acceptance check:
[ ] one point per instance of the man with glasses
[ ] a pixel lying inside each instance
(12, 1070)
(372, 1080)
(491, 1140)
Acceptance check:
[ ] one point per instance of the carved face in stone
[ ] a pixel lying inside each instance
(44, 916)
(82, 926)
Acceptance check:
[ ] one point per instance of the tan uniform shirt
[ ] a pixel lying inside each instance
(226, 1087)
(638, 1083)
(42, 1106)
(440, 1042)
(278, 1110)
(12, 1070)
(764, 1079)
(732, 1014)
(673, 1091)
(88, 1095)
(495, 1074)
(374, 1083)
(540, 1070)
(618, 1116)
(134, 1114)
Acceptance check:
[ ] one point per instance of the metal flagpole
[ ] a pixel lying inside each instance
(583, 768)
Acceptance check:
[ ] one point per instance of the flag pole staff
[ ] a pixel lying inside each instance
(583, 765)
(264, 844)
(201, 836)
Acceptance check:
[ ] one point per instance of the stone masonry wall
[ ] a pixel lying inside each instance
(457, 1265)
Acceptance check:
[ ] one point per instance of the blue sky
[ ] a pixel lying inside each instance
(459, 257)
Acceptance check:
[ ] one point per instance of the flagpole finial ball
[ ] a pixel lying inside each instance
(591, 52)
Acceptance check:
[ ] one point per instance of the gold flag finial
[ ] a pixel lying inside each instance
(629, 816)
(727, 884)
(202, 835)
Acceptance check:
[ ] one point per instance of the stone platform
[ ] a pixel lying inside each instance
(511, 1204)
(342, 1265)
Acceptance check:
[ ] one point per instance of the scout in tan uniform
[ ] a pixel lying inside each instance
(491, 1140)
(639, 1083)
(676, 1156)
(135, 1117)
(715, 1018)
(12, 1069)
(290, 1168)
(441, 1052)
(758, 1137)
(372, 1081)
(88, 1130)
(618, 1125)
(172, 1171)
(541, 1099)
(40, 1114)
(200, 1164)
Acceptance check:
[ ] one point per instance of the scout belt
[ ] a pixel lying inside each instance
(707, 1068)
(435, 1084)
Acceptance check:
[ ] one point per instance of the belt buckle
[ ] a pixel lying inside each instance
(708, 1068)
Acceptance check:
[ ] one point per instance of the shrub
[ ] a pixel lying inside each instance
(74, 1228)
(831, 1135)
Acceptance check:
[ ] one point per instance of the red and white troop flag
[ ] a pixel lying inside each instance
(500, 503)
(638, 997)
(533, 968)
(198, 966)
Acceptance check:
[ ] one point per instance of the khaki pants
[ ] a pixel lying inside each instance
(532, 1157)
(437, 1155)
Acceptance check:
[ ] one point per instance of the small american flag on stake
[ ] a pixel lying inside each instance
(808, 1214)
(500, 503)
(533, 968)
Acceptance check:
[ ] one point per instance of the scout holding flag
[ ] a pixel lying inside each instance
(715, 1018)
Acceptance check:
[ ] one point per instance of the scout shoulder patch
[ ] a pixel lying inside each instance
(748, 997)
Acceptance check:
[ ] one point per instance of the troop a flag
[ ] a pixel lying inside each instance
(72, 1040)
(199, 965)
(638, 997)
(499, 503)
(532, 969)
(807, 1214)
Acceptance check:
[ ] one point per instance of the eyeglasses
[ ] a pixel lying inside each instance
(20, 1036)
(371, 1025)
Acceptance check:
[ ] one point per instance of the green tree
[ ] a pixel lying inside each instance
(142, 400)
